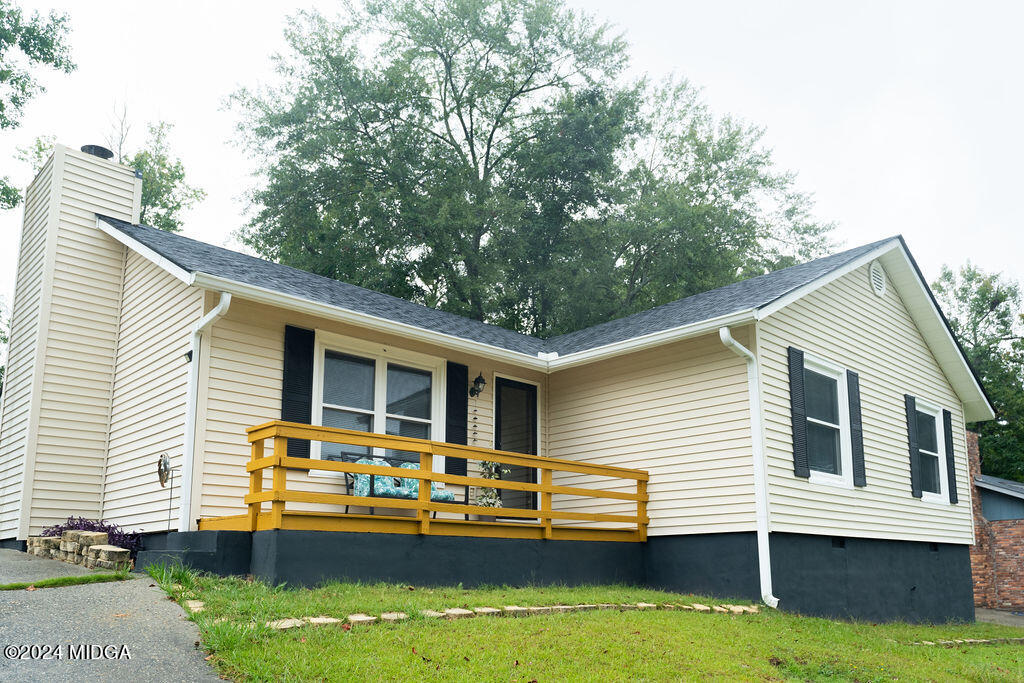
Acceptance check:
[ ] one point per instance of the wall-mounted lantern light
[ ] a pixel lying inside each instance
(478, 385)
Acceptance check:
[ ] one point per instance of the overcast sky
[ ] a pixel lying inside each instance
(899, 117)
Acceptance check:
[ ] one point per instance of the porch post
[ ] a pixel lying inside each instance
(280, 482)
(427, 467)
(255, 485)
(545, 499)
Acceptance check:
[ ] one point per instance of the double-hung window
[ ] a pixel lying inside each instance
(828, 446)
(370, 388)
(931, 452)
(828, 451)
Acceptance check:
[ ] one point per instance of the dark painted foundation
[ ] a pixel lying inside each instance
(13, 544)
(310, 557)
(723, 565)
(816, 575)
(871, 579)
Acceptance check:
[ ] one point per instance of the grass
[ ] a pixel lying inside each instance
(65, 581)
(653, 645)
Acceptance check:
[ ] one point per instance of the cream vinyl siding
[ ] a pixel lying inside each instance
(679, 411)
(846, 323)
(242, 388)
(150, 387)
(80, 338)
(25, 317)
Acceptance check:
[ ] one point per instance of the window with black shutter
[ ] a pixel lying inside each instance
(828, 444)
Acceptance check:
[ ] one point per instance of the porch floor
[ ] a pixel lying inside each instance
(390, 524)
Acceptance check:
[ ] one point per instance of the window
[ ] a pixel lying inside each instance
(931, 452)
(824, 452)
(828, 431)
(369, 388)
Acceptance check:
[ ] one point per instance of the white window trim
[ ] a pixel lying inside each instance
(381, 354)
(942, 497)
(838, 373)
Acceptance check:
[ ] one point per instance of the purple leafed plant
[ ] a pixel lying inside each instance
(128, 540)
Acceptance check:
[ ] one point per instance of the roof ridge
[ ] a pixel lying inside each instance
(752, 295)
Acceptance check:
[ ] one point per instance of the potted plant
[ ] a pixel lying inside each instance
(488, 497)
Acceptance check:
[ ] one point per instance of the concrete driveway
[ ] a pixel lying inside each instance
(120, 631)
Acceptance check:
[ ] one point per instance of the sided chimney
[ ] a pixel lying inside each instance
(63, 336)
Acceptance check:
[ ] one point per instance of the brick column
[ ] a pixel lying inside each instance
(981, 552)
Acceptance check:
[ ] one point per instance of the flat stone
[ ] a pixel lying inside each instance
(110, 552)
(459, 613)
(688, 608)
(646, 605)
(626, 606)
(487, 611)
(285, 624)
(927, 642)
(88, 538)
(586, 608)
(392, 617)
(751, 609)
(563, 609)
(361, 619)
(195, 605)
(736, 609)
(700, 608)
(607, 605)
(719, 609)
(71, 535)
(515, 611)
(321, 621)
(539, 610)
(431, 614)
(668, 606)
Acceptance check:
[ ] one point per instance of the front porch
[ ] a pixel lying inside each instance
(564, 510)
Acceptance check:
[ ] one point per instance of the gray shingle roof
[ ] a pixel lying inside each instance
(199, 257)
(1007, 486)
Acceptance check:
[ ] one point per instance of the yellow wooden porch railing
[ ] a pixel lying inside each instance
(630, 527)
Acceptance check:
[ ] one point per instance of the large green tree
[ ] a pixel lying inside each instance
(26, 44)
(986, 314)
(487, 157)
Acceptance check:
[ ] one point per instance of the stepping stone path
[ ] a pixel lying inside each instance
(974, 641)
(453, 613)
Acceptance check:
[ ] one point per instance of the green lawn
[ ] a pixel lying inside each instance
(60, 581)
(604, 645)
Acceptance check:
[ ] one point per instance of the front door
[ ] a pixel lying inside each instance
(515, 430)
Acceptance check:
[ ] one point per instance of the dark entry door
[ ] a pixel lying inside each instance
(515, 430)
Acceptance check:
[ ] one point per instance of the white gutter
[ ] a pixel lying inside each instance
(764, 560)
(191, 407)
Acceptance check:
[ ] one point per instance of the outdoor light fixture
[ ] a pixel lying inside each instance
(478, 385)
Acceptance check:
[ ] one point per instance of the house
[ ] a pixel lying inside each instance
(797, 437)
(997, 557)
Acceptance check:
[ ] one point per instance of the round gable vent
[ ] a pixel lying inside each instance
(877, 277)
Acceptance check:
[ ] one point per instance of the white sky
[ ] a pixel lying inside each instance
(899, 117)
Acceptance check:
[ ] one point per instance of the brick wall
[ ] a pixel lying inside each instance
(997, 556)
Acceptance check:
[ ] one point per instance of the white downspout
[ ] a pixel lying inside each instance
(764, 560)
(191, 406)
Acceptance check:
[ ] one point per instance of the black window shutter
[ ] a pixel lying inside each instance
(456, 416)
(947, 428)
(856, 428)
(915, 454)
(297, 384)
(799, 412)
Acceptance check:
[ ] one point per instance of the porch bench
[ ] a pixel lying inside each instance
(382, 486)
